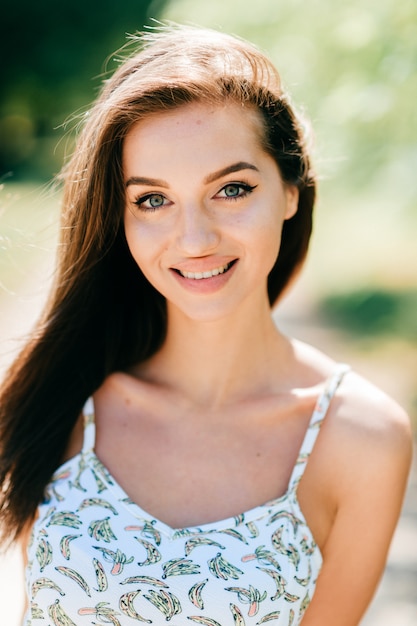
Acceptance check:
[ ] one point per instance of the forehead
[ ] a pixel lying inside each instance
(206, 116)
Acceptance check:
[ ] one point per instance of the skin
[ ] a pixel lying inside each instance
(227, 390)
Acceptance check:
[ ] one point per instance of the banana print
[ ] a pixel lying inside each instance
(302, 458)
(200, 541)
(61, 475)
(64, 545)
(269, 617)
(101, 486)
(253, 529)
(126, 606)
(127, 500)
(97, 502)
(100, 530)
(36, 612)
(305, 548)
(289, 551)
(276, 540)
(64, 518)
(280, 582)
(183, 532)
(267, 554)
(234, 533)
(289, 597)
(179, 567)
(293, 555)
(88, 417)
(263, 556)
(237, 615)
(305, 603)
(249, 596)
(297, 482)
(48, 513)
(43, 553)
(58, 615)
(148, 530)
(147, 580)
(165, 601)
(205, 621)
(82, 466)
(195, 594)
(75, 576)
(101, 577)
(293, 519)
(152, 554)
(103, 612)
(304, 581)
(45, 583)
(118, 558)
(53, 493)
(220, 568)
(101, 470)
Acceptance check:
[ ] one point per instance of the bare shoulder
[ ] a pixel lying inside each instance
(371, 433)
(362, 418)
(366, 411)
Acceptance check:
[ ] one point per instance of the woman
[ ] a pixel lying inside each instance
(219, 472)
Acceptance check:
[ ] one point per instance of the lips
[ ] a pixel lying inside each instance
(208, 273)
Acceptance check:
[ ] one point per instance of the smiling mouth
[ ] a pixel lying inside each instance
(208, 274)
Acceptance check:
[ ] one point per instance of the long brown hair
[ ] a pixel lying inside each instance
(102, 314)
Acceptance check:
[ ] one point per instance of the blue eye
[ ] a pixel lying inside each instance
(156, 201)
(151, 202)
(234, 191)
(231, 191)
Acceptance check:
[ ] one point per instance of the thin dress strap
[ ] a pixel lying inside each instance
(89, 427)
(319, 413)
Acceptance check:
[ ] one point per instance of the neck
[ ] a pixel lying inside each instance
(215, 362)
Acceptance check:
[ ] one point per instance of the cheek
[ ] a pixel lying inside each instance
(147, 243)
(265, 226)
(268, 238)
(139, 239)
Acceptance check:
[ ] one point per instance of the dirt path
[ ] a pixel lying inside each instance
(396, 600)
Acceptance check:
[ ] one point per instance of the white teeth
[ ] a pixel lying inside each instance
(200, 275)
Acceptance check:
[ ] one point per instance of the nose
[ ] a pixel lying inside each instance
(197, 231)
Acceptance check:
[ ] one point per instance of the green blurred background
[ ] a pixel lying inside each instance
(350, 66)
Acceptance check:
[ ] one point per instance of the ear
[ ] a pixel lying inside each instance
(292, 195)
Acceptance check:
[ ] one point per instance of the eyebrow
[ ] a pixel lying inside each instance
(230, 169)
(144, 180)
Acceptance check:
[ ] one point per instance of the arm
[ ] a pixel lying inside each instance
(23, 543)
(369, 476)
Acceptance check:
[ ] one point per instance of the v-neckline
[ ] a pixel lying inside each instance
(229, 522)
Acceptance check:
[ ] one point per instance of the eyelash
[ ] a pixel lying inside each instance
(139, 202)
(245, 187)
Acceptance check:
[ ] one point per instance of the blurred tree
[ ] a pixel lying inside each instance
(53, 55)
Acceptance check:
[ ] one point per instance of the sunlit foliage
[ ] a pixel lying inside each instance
(52, 58)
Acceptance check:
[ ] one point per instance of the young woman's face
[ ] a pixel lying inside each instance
(205, 205)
